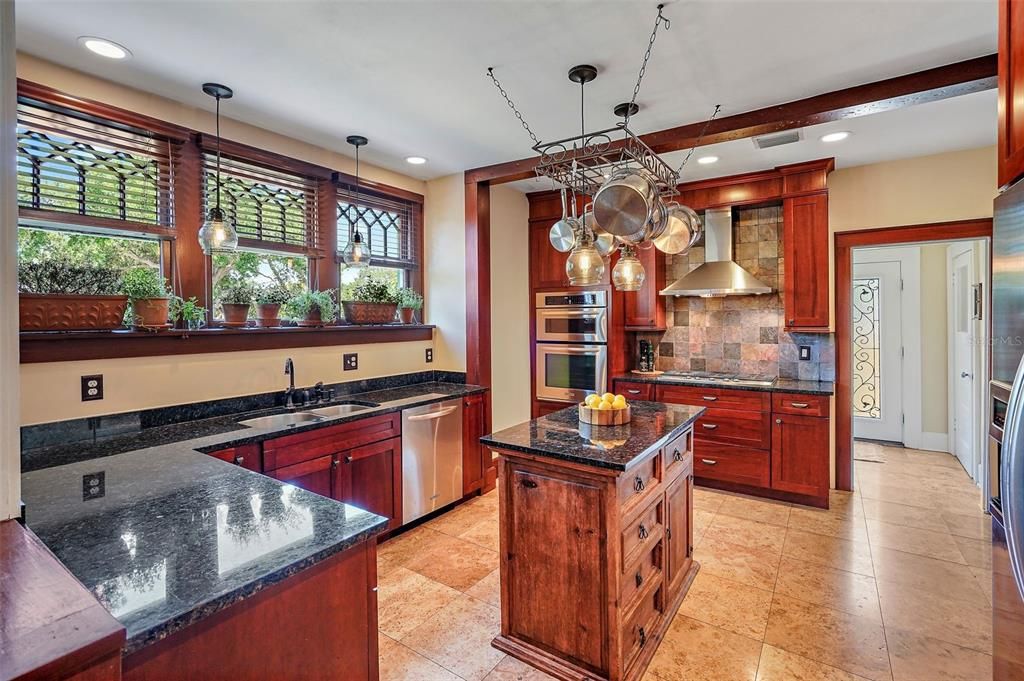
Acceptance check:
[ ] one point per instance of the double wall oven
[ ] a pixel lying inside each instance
(571, 357)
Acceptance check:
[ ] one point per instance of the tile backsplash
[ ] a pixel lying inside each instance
(741, 334)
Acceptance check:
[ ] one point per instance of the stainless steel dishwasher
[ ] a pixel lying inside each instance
(431, 458)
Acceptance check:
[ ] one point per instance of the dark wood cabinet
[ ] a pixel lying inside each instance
(633, 390)
(805, 252)
(246, 456)
(1011, 76)
(547, 266)
(678, 529)
(370, 477)
(478, 471)
(645, 309)
(800, 455)
(315, 475)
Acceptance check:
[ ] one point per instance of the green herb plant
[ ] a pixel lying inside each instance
(142, 282)
(370, 288)
(237, 291)
(272, 295)
(188, 311)
(410, 299)
(54, 277)
(299, 306)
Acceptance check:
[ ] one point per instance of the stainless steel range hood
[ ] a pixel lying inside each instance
(719, 275)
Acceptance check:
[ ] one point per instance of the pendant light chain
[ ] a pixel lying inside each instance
(647, 56)
(511, 105)
(218, 154)
(700, 138)
(356, 236)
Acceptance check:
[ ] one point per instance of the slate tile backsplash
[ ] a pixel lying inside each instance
(741, 334)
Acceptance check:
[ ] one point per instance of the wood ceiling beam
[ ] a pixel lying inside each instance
(931, 85)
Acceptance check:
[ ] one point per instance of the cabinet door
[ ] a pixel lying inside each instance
(679, 514)
(645, 309)
(547, 266)
(800, 455)
(370, 477)
(246, 456)
(474, 462)
(805, 246)
(314, 475)
(1011, 76)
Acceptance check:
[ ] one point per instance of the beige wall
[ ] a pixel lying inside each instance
(445, 260)
(510, 307)
(934, 339)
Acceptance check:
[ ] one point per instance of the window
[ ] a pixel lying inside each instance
(288, 271)
(87, 250)
(389, 227)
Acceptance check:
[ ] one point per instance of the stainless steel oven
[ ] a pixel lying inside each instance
(567, 372)
(572, 317)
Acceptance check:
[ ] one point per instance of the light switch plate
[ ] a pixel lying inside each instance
(350, 361)
(430, 355)
(805, 353)
(92, 387)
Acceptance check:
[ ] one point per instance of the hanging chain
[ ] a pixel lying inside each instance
(700, 137)
(511, 105)
(647, 56)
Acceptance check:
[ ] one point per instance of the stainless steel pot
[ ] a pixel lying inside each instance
(603, 241)
(563, 233)
(682, 229)
(624, 205)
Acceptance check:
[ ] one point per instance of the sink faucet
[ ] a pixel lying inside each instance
(289, 370)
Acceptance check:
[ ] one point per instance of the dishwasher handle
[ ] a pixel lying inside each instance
(434, 414)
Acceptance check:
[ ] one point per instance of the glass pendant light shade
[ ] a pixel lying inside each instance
(628, 273)
(356, 254)
(585, 266)
(217, 234)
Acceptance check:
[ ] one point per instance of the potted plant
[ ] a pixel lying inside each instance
(369, 300)
(149, 298)
(58, 297)
(269, 300)
(189, 312)
(236, 296)
(312, 308)
(409, 303)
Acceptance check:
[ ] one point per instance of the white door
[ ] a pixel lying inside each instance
(963, 359)
(877, 352)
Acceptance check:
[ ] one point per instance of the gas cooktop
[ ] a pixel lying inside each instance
(718, 378)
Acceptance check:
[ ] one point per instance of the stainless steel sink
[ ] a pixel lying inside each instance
(281, 420)
(341, 410)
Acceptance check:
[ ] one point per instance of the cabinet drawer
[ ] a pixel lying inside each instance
(678, 456)
(722, 398)
(641, 623)
(801, 405)
(293, 449)
(647, 571)
(632, 390)
(732, 426)
(730, 463)
(643, 533)
(246, 456)
(639, 484)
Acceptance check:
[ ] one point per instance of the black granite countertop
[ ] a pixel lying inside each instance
(560, 435)
(781, 385)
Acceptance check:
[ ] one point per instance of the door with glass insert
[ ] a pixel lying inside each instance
(877, 352)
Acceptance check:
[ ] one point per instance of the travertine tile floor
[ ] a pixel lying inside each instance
(893, 582)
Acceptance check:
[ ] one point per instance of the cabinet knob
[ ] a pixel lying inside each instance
(239, 460)
(643, 637)
(779, 421)
(639, 580)
(791, 322)
(348, 459)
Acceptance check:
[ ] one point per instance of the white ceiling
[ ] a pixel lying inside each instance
(411, 75)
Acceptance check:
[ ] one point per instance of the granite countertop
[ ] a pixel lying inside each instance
(781, 385)
(560, 435)
(178, 535)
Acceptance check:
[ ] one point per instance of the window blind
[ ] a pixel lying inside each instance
(81, 166)
(388, 226)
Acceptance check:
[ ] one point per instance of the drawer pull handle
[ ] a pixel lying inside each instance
(710, 462)
(643, 532)
(710, 398)
(348, 459)
(677, 455)
(633, 392)
(709, 426)
(779, 421)
(639, 580)
(799, 405)
(638, 484)
(529, 483)
(643, 637)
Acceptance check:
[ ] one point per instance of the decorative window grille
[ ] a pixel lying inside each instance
(270, 209)
(867, 360)
(388, 226)
(80, 166)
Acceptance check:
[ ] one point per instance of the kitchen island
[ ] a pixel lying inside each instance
(596, 538)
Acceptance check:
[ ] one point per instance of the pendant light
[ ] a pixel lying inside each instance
(585, 266)
(217, 235)
(628, 273)
(357, 252)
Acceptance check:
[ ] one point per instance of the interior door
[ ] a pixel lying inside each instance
(963, 360)
(877, 351)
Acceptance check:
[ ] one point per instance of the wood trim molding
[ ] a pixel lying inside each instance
(64, 347)
(269, 159)
(845, 242)
(943, 82)
(370, 186)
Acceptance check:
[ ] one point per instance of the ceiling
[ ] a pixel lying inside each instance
(411, 75)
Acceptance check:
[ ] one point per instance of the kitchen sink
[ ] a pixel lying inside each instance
(280, 420)
(341, 409)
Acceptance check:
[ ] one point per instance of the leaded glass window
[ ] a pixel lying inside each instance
(867, 361)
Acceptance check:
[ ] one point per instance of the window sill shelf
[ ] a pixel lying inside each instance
(65, 346)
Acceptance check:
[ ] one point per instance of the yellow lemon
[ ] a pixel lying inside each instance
(592, 400)
(620, 397)
(604, 405)
(607, 397)
(619, 403)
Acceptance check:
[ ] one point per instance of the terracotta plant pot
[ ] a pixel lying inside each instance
(407, 314)
(369, 313)
(268, 315)
(312, 318)
(46, 312)
(235, 314)
(150, 313)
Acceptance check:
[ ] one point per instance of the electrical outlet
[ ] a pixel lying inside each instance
(92, 387)
(94, 485)
(350, 361)
(430, 355)
(805, 353)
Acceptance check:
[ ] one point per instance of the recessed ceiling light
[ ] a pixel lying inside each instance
(415, 160)
(706, 160)
(835, 136)
(104, 47)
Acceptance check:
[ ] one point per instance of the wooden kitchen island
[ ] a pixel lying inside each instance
(596, 538)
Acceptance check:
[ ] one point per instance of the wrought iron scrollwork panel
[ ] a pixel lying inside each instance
(867, 402)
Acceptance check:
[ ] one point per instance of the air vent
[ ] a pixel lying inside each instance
(768, 141)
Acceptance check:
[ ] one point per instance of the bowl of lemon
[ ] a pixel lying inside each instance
(605, 410)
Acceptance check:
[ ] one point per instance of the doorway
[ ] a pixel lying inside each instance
(965, 315)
